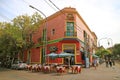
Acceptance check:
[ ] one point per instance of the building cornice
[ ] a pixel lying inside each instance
(63, 12)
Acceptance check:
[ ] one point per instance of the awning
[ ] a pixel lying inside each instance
(94, 55)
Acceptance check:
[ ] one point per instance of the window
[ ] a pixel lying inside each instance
(70, 29)
(85, 34)
(53, 31)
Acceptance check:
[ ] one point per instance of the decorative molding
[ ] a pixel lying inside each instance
(70, 16)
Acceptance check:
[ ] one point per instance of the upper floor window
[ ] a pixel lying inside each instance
(53, 31)
(70, 29)
(85, 34)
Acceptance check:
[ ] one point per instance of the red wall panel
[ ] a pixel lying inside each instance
(35, 55)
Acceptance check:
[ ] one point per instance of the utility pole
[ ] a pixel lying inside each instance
(44, 36)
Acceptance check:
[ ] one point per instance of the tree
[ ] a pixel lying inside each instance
(101, 52)
(28, 25)
(8, 48)
(116, 50)
(16, 36)
(7, 45)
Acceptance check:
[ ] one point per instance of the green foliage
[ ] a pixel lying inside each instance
(116, 50)
(28, 24)
(102, 52)
(15, 37)
(7, 45)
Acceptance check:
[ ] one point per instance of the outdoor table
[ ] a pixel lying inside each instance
(46, 68)
(60, 69)
(76, 68)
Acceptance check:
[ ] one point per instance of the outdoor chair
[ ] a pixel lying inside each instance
(76, 69)
(46, 68)
(60, 69)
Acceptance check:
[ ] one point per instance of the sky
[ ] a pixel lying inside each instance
(102, 16)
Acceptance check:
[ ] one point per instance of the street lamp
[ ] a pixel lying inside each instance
(108, 41)
(38, 10)
(45, 34)
(100, 40)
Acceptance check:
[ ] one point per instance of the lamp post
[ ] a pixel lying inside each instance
(100, 40)
(38, 10)
(109, 40)
(45, 35)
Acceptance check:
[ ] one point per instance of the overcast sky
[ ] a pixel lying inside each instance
(102, 16)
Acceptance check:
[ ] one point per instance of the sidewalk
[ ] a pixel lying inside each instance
(101, 73)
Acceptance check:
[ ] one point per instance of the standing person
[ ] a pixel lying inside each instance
(0, 63)
(72, 60)
(110, 63)
(106, 61)
(95, 63)
(113, 62)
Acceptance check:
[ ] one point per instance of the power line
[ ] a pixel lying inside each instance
(30, 5)
(38, 10)
(57, 7)
(54, 5)
(5, 17)
(5, 8)
(26, 2)
(65, 15)
(50, 5)
(78, 28)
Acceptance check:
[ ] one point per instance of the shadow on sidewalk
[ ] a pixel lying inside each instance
(3, 69)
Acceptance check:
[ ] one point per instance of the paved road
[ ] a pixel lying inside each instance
(101, 73)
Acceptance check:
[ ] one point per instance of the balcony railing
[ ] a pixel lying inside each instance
(70, 34)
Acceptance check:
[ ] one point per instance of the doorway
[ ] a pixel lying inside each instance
(69, 59)
(69, 48)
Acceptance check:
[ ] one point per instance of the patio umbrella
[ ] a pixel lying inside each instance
(64, 54)
(52, 55)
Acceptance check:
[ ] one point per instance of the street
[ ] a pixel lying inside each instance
(101, 73)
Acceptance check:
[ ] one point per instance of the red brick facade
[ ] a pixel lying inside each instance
(66, 31)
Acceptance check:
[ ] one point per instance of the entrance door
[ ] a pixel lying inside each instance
(69, 48)
(72, 59)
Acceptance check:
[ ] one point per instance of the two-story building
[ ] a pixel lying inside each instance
(64, 31)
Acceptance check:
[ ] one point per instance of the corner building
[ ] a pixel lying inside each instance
(64, 31)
